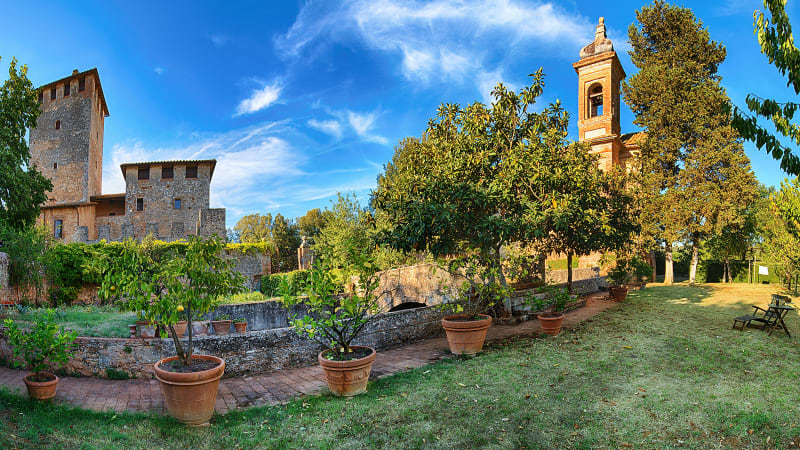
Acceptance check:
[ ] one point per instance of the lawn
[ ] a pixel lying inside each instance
(664, 370)
(100, 321)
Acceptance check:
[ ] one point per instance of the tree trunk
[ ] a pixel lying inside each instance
(749, 275)
(668, 278)
(188, 354)
(651, 256)
(695, 258)
(507, 300)
(569, 272)
(727, 277)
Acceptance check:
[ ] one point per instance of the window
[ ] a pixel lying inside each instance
(140, 204)
(596, 101)
(58, 229)
(191, 171)
(82, 85)
(41, 96)
(166, 172)
(58, 124)
(53, 94)
(55, 166)
(177, 203)
(66, 89)
(144, 173)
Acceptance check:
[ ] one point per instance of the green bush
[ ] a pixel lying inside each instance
(710, 271)
(42, 347)
(270, 284)
(116, 374)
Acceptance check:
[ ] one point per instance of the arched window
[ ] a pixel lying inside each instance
(595, 101)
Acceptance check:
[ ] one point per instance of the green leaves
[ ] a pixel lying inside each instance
(44, 345)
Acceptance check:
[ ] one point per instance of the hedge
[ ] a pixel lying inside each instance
(710, 271)
(270, 284)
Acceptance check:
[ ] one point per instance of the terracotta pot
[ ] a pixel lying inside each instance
(132, 329)
(241, 327)
(190, 397)
(551, 323)
(347, 378)
(221, 326)
(146, 329)
(180, 328)
(199, 328)
(618, 293)
(466, 336)
(41, 390)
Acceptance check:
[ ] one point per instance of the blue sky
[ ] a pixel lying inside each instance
(301, 100)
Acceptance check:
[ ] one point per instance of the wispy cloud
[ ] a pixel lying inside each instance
(331, 127)
(219, 40)
(260, 99)
(158, 70)
(363, 123)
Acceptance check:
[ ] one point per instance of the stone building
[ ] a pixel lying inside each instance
(599, 76)
(169, 199)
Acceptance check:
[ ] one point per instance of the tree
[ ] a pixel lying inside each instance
(286, 239)
(311, 224)
(781, 228)
(26, 249)
(695, 177)
(254, 228)
(346, 225)
(777, 43)
(22, 187)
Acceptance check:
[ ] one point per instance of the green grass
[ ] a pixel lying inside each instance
(664, 370)
(561, 264)
(245, 297)
(100, 321)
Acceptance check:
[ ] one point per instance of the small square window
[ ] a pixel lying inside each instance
(53, 94)
(82, 85)
(55, 166)
(58, 228)
(58, 124)
(177, 203)
(144, 173)
(140, 204)
(191, 171)
(166, 172)
(66, 89)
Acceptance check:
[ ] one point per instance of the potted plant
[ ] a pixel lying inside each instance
(618, 277)
(467, 324)
(167, 285)
(642, 271)
(240, 324)
(335, 316)
(45, 344)
(222, 325)
(553, 300)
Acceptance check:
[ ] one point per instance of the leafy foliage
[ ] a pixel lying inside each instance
(26, 250)
(298, 279)
(44, 345)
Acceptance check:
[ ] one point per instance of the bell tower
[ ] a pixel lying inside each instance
(599, 76)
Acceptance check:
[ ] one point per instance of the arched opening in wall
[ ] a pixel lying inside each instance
(407, 305)
(595, 100)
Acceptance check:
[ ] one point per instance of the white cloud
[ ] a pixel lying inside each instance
(158, 70)
(331, 127)
(219, 40)
(362, 124)
(260, 99)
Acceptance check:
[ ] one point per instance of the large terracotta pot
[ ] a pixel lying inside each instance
(618, 293)
(221, 327)
(180, 328)
(41, 390)
(190, 397)
(347, 378)
(551, 323)
(466, 336)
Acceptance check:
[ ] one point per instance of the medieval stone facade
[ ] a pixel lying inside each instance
(168, 199)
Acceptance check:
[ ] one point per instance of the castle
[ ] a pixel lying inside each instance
(168, 199)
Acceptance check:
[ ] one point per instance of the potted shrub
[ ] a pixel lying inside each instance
(642, 271)
(240, 324)
(168, 284)
(618, 277)
(45, 344)
(553, 301)
(335, 317)
(222, 325)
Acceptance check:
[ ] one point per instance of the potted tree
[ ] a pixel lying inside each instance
(167, 287)
(44, 345)
(618, 277)
(641, 273)
(335, 316)
(553, 301)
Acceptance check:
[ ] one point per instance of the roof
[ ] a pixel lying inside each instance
(213, 163)
(76, 74)
(633, 139)
(106, 196)
(67, 205)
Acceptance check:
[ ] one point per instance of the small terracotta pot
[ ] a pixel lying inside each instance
(618, 293)
(180, 328)
(221, 327)
(41, 390)
(551, 323)
(466, 336)
(241, 327)
(147, 330)
(199, 328)
(347, 378)
(190, 397)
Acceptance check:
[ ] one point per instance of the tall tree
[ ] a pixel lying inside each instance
(311, 224)
(777, 44)
(22, 187)
(254, 228)
(286, 239)
(695, 176)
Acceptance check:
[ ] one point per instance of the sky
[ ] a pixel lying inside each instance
(300, 100)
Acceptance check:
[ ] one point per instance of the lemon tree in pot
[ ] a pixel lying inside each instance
(552, 300)
(618, 277)
(44, 345)
(336, 315)
(170, 284)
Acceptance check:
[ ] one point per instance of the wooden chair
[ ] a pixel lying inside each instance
(770, 318)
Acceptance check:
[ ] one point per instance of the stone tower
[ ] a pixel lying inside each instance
(599, 76)
(67, 143)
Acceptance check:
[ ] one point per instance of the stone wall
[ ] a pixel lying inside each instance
(421, 283)
(253, 352)
(5, 291)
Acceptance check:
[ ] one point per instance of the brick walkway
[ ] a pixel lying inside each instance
(271, 388)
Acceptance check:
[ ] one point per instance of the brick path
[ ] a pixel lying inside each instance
(271, 388)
